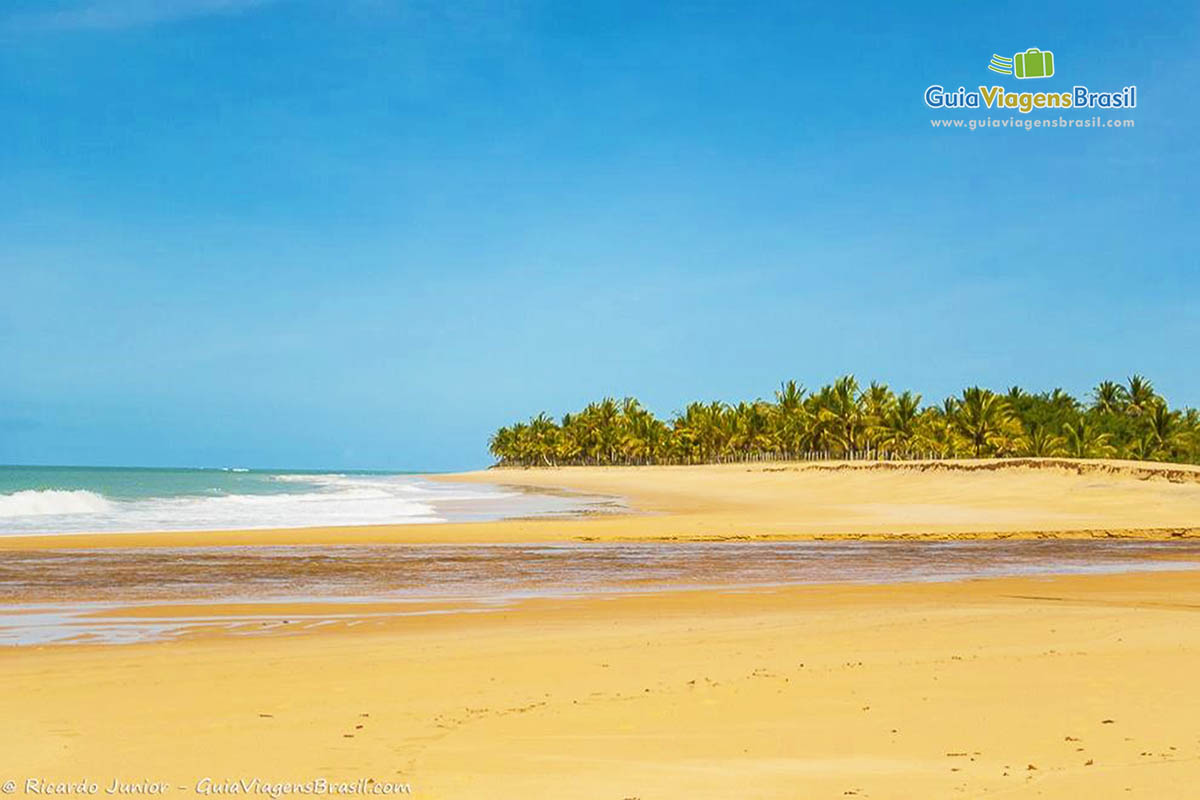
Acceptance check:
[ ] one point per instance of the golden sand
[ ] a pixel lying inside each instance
(1068, 687)
(1053, 687)
(961, 499)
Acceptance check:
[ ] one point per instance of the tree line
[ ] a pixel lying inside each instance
(843, 420)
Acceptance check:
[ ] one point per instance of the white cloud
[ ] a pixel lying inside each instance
(118, 14)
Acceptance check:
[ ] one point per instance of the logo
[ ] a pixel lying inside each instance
(1001, 64)
(1033, 63)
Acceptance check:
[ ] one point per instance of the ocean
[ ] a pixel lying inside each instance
(47, 500)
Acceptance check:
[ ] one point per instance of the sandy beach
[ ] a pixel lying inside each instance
(1023, 498)
(1016, 688)
(1057, 686)
(598, 401)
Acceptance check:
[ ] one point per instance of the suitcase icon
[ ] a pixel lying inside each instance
(1034, 63)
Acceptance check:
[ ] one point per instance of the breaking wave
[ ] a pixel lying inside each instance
(260, 500)
(40, 502)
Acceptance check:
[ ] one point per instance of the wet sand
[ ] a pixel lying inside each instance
(130, 595)
(1061, 687)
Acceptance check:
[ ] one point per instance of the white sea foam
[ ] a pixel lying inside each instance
(37, 503)
(318, 500)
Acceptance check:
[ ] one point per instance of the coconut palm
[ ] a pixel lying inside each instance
(1039, 442)
(938, 432)
(1109, 397)
(502, 445)
(750, 430)
(792, 422)
(877, 402)
(984, 419)
(572, 440)
(1145, 447)
(843, 416)
(841, 421)
(643, 436)
(1083, 440)
(789, 397)
(1189, 435)
(542, 436)
(1141, 396)
(1163, 426)
(899, 429)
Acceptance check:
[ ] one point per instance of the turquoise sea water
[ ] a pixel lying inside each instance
(77, 499)
(135, 483)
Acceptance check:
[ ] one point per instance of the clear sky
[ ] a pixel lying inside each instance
(364, 233)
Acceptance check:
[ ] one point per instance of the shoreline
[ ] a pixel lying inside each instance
(500, 533)
(86, 590)
(1057, 685)
(776, 501)
(196, 620)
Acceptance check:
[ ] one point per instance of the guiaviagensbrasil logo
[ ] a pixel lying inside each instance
(1024, 65)
(1033, 63)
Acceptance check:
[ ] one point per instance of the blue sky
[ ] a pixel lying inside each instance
(364, 233)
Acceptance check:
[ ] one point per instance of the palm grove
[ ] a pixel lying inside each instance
(845, 421)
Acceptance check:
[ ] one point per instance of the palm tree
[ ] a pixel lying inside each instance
(841, 421)
(1145, 447)
(842, 414)
(1039, 442)
(938, 431)
(1163, 427)
(572, 440)
(521, 451)
(1189, 435)
(1083, 440)
(1141, 396)
(789, 396)
(750, 432)
(543, 438)
(983, 418)
(791, 419)
(899, 431)
(605, 421)
(502, 445)
(1109, 397)
(1062, 402)
(701, 428)
(877, 402)
(642, 436)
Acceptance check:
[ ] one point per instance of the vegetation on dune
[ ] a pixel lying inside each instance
(846, 421)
